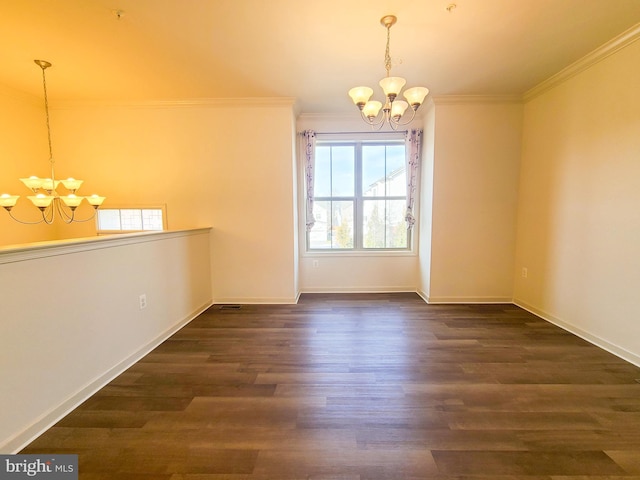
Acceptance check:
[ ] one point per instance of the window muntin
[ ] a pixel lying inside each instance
(359, 196)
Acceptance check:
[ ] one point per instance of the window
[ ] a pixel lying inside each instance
(359, 196)
(130, 219)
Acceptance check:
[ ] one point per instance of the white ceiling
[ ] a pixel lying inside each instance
(313, 50)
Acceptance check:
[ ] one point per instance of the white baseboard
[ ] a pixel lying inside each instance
(423, 295)
(257, 300)
(398, 289)
(469, 300)
(48, 419)
(589, 337)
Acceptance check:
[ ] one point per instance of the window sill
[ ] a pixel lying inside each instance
(359, 253)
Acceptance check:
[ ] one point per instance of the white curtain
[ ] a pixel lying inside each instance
(413, 166)
(309, 143)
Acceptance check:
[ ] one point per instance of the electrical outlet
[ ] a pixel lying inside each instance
(143, 301)
(316, 263)
(525, 272)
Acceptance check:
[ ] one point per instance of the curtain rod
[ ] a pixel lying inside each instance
(360, 133)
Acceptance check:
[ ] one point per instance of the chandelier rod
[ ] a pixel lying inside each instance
(43, 64)
(387, 54)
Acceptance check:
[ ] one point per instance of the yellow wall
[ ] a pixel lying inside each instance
(475, 177)
(579, 207)
(23, 152)
(221, 165)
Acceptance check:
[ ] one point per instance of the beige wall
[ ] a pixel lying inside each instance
(475, 178)
(579, 208)
(209, 171)
(225, 165)
(71, 319)
(425, 207)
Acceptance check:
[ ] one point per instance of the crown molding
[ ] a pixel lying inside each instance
(329, 116)
(265, 102)
(623, 40)
(475, 99)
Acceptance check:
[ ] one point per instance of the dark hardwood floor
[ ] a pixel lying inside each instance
(355, 387)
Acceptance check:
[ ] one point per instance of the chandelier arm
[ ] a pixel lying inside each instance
(80, 220)
(24, 222)
(397, 122)
(52, 215)
(374, 124)
(76, 220)
(378, 126)
(62, 211)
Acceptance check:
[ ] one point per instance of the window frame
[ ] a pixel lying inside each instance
(359, 198)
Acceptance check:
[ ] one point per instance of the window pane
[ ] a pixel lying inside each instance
(342, 224)
(333, 226)
(322, 172)
(396, 225)
(320, 234)
(383, 171)
(374, 224)
(373, 170)
(152, 219)
(383, 224)
(396, 171)
(342, 171)
(131, 219)
(109, 219)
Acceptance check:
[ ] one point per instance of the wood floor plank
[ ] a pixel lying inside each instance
(362, 387)
(525, 463)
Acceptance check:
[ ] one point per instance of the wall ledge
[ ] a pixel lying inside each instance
(30, 251)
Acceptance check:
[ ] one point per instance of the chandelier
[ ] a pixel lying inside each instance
(45, 196)
(393, 110)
